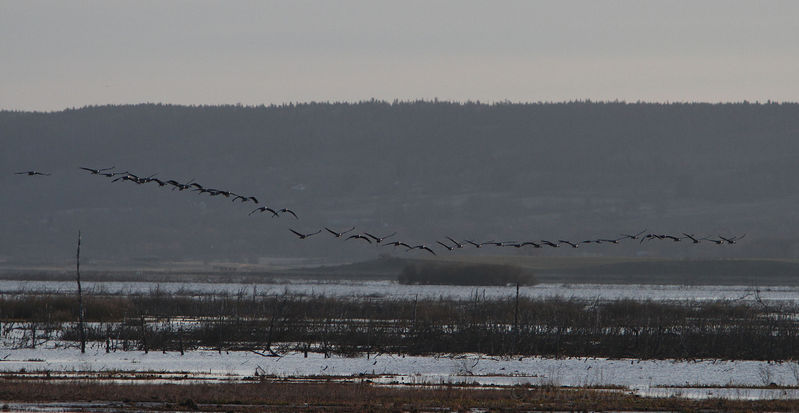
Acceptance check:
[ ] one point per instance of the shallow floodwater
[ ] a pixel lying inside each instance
(659, 378)
(705, 378)
(392, 289)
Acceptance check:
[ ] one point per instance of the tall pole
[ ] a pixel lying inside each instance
(516, 321)
(516, 311)
(80, 303)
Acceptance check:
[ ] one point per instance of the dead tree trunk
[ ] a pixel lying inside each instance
(143, 335)
(81, 328)
(180, 339)
(516, 332)
(278, 308)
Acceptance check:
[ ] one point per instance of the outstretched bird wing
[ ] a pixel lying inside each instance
(359, 236)
(290, 212)
(426, 248)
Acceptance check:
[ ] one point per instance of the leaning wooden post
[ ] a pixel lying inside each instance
(80, 303)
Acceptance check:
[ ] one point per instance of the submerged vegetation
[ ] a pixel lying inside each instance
(351, 326)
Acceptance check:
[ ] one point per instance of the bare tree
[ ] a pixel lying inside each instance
(80, 303)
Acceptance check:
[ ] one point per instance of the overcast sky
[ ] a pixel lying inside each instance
(59, 54)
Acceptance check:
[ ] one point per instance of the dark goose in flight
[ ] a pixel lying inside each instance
(359, 236)
(96, 171)
(379, 239)
(303, 236)
(339, 234)
(423, 247)
(264, 208)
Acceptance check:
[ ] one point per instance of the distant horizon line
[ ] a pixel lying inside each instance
(404, 102)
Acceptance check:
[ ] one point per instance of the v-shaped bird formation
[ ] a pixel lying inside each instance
(447, 243)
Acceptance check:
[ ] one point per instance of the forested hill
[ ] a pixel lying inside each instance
(424, 169)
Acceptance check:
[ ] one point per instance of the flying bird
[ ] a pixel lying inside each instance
(648, 237)
(289, 211)
(359, 236)
(732, 240)
(398, 244)
(476, 245)
(226, 194)
(495, 243)
(177, 185)
(32, 173)
(633, 236)
(264, 208)
(422, 247)
(339, 234)
(379, 239)
(303, 236)
(129, 177)
(692, 238)
(445, 246)
(716, 241)
(96, 171)
(569, 243)
(156, 180)
(513, 244)
(457, 244)
(245, 199)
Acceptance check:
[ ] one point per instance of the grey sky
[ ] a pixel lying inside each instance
(56, 54)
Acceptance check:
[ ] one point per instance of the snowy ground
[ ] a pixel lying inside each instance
(698, 379)
(706, 378)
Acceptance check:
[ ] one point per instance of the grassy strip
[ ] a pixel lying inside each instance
(361, 396)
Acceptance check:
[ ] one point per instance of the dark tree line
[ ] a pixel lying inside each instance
(562, 169)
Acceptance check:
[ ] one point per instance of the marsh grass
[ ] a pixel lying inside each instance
(548, 327)
(360, 396)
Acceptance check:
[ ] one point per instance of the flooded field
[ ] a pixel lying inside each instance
(392, 289)
(657, 378)
(51, 358)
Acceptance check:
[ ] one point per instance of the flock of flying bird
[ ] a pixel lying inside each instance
(175, 185)
(450, 244)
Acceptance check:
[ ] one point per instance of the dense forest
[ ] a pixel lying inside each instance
(425, 169)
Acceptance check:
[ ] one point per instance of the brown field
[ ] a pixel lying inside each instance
(355, 396)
